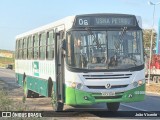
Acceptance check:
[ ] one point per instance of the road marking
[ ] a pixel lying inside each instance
(148, 93)
(134, 107)
(10, 74)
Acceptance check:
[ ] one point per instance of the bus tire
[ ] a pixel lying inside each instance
(113, 106)
(57, 106)
(35, 95)
(27, 93)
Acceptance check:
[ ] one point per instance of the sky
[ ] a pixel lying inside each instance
(18, 16)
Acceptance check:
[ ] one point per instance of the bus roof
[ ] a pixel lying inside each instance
(67, 22)
(61, 24)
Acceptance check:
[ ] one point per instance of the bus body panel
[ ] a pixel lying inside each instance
(81, 88)
(76, 97)
(93, 88)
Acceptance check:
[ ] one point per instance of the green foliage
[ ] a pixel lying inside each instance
(147, 38)
(7, 104)
(6, 50)
(5, 61)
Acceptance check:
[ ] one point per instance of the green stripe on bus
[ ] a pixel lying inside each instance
(76, 97)
(35, 84)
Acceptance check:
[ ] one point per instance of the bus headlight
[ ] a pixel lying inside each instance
(140, 82)
(79, 86)
(137, 83)
(76, 85)
(73, 85)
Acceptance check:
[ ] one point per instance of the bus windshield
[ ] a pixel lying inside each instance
(104, 49)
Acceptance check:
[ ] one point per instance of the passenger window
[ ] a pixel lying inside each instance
(42, 43)
(30, 47)
(36, 46)
(16, 55)
(20, 49)
(24, 48)
(50, 45)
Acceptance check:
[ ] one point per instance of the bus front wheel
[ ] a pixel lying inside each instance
(35, 95)
(57, 106)
(113, 106)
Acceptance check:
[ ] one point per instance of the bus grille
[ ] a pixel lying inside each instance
(103, 87)
(111, 76)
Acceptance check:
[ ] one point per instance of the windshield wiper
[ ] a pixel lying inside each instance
(94, 38)
(122, 34)
(121, 37)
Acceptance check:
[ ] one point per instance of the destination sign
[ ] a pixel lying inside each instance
(114, 21)
(83, 21)
(105, 21)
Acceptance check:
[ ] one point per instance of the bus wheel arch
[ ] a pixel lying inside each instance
(57, 106)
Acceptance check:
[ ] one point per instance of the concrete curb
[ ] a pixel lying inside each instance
(153, 93)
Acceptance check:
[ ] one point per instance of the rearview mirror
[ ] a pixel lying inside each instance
(63, 44)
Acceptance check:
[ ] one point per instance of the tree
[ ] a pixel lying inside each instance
(147, 38)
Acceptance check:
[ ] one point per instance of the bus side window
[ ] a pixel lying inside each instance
(42, 44)
(24, 48)
(50, 45)
(30, 43)
(20, 48)
(36, 46)
(16, 55)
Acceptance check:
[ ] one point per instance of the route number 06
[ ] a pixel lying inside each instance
(83, 22)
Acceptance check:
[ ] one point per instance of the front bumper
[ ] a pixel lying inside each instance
(76, 97)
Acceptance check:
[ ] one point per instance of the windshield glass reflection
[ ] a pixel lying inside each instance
(104, 49)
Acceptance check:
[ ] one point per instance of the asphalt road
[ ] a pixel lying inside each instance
(151, 103)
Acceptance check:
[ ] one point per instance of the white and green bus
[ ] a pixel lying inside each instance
(83, 60)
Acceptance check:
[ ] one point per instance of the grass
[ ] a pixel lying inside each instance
(5, 61)
(154, 87)
(7, 104)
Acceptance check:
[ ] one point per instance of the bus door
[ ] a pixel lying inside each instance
(59, 67)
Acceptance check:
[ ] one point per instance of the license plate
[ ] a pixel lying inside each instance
(108, 93)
